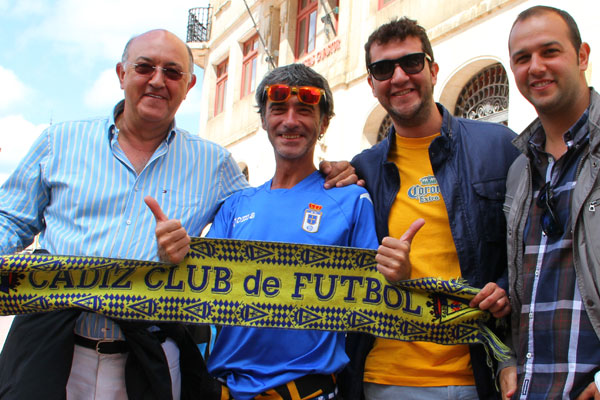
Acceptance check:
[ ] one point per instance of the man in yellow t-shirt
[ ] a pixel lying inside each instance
(438, 184)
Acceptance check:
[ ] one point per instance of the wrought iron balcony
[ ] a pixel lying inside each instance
(199, 24)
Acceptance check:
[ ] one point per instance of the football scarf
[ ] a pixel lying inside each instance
(252, 284)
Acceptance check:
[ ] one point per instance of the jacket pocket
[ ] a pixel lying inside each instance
(490, 195)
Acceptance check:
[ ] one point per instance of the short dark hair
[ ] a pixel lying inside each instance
(574, 34)
(295, 75)
(398, 29)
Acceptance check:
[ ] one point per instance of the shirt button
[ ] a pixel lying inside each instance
(128, 222)
(528, 355)
(530, 315)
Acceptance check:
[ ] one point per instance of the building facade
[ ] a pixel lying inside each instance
(237, 41)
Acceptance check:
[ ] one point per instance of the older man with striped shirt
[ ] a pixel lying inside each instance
(81, 187)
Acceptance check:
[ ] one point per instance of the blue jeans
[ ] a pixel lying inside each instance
(375, 391)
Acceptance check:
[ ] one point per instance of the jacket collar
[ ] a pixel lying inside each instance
(594, 120)
(446, 130)
(448, 122)
(521, 141)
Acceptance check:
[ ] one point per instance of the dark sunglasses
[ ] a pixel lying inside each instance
(549, 220)
(280, 93)
(149, 69)
(411, 64)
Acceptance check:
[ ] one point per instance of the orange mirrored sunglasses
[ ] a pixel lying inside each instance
(280, 93)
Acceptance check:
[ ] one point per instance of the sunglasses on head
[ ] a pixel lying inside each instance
(149, 69)
(549, 220)
(411, 64)
(280, 93)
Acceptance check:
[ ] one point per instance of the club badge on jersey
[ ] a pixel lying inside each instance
(312, 218)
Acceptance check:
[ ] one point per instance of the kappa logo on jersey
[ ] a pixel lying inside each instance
(243, 218)
(312, 218)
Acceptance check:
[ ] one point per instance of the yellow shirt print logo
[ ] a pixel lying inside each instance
(426, 191)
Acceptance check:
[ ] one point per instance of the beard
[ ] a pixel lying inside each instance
(413, 115)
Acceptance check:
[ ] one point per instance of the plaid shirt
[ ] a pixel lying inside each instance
(558, 349)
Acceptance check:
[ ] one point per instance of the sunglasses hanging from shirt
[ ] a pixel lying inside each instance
(549, 220)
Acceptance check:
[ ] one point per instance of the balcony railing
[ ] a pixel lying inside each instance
(199, 24)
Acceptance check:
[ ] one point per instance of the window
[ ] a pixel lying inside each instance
(383, 3)
(331, 17)
(221, 86)
(306, 27)
(384, 128)
(250, 51)
(336, 13)
(485, 96)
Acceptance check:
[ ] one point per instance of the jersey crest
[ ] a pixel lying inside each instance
(312, 218)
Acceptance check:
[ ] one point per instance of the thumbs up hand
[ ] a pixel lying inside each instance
(173, 241)
(393, 254)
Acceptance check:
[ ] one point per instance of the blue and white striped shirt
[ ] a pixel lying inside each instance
(78, 190)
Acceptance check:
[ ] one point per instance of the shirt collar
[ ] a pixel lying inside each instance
(118, 110)
(576, 135)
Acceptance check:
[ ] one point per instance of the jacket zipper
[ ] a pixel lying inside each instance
(593, 205)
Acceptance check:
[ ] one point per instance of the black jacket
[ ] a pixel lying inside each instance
(470, 160)
(36, 360)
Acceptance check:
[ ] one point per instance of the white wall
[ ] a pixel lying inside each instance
(5, 322)
(489, 38)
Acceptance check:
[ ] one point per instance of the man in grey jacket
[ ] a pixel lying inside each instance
(553, 214)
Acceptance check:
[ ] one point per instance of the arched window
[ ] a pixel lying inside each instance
(384, 128)
(244, 168)
(485, 96)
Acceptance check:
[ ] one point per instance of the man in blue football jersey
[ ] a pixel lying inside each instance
(295, 104)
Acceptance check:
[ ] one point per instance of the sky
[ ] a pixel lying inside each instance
(57, 63)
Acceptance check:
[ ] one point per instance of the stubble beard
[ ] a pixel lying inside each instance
(293, 153)
(415, 116)
(550, 104)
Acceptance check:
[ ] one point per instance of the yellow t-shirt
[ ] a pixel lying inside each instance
(432, 254)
